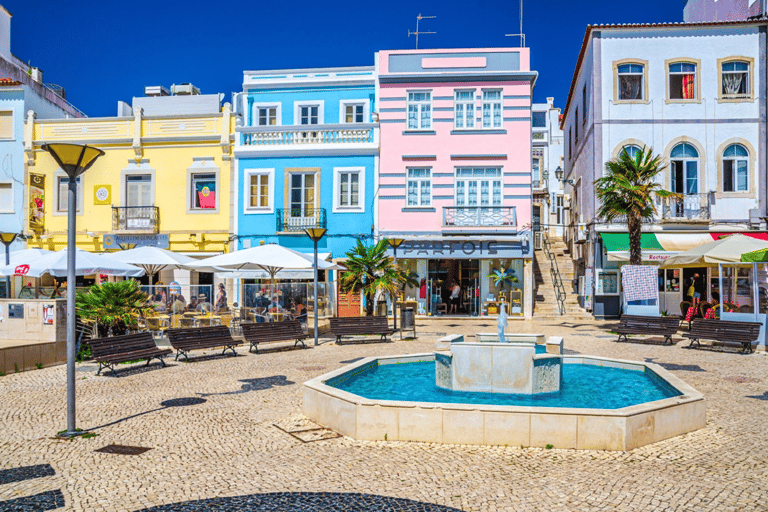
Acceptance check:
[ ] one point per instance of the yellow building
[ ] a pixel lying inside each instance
(165, 179)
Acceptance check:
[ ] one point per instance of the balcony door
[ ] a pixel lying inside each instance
(478, 191)
(138, 200)
(685, 180)
(302, 199)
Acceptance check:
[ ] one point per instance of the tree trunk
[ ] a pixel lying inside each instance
(369, 304)
(634, 226)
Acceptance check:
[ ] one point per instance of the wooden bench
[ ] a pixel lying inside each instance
(129, 347)
(659, 325)
(725, 332)
(267, 332)
(360, 325)
(184, 340)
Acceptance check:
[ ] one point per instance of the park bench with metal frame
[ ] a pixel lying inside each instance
(725, 332)
(129, 347)
(666, 326)
(268, 332)
(198, 338)
(360, 326)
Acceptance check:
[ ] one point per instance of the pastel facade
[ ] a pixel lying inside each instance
(550, 201)
(699, 106)
(455, 180)
(722, 10)
(306, 157)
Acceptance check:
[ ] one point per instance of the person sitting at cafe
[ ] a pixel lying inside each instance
(221, 299)
(192, 304)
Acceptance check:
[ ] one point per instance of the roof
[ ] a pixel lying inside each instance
(634, 26)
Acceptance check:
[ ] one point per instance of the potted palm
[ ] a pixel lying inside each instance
(115, 307)
(370, 270)
(506, 278)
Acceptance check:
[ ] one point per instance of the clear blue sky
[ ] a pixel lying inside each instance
(106, 51)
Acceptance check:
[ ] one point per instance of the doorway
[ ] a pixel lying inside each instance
(700, 283)
(443, 274)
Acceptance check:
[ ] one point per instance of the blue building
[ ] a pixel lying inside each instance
(306, 156)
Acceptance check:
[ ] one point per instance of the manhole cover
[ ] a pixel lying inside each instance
(183, 402)
(740, 379)
(119, 449)
(305, 430)
(311, 368)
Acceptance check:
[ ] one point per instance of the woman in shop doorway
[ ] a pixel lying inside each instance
(455, 298)
(695, 296)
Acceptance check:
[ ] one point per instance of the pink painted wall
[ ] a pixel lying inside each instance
(515, 144)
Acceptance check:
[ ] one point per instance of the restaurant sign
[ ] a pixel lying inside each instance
(460, 249)
(129, 241)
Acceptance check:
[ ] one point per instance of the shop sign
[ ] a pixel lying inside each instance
(459, 249)
(121, 241)
(102, 194)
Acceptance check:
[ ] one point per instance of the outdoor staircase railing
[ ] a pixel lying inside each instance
(557, 281)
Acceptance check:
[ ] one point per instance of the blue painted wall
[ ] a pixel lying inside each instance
(331, 97)
(12, 168)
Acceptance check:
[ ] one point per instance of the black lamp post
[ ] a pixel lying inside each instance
(395, 243)
(7, 239)
(315, 234)
(74, 159)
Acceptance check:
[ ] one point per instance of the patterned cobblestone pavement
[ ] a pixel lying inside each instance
(210, 429)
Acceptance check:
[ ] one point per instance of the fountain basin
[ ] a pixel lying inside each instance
(622, 428)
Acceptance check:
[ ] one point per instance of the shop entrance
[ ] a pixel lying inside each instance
(699, 284)
(443, 276)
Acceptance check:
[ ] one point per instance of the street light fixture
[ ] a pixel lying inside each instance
(7, 239)
(74, 159)
(395, 243)
(315, 234)
(559, 176)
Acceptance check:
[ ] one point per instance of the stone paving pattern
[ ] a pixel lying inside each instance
(210, 427)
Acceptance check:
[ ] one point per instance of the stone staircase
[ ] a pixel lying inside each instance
(545, 303)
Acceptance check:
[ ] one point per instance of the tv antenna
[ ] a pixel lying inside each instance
(419, 18)
(520, 35)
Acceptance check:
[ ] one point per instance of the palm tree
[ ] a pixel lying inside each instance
(115, 307)
(628, 189)
(370, 270)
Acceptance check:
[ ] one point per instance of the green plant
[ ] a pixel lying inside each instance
(2, 374)
(665, 313)
(549, 447)
(115, 307)
(89, 435)
(83, 353)
(504, 277)
(15, 368)
(370, 270)
(385, 437)
(39, 366)
(628, 189)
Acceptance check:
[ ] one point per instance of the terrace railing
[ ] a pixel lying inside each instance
(315, 135)
(299, 219)
(479, 216)
(136, 218)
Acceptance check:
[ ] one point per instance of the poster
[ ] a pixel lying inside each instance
(588, 277)
(36, 202)
(102, 194)
(49, 311)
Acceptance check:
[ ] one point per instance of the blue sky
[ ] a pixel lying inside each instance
(106, 51)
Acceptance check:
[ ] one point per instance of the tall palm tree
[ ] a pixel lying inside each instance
(370, 270)
(628, 189)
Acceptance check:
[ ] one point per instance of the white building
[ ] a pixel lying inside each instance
(550, 202)
(695, 93)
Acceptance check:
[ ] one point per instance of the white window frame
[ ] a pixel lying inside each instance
(484, 102)
(57, 176)
(320, 104)
(13, 124)
(366, 103)
(466, 104)
(696, 79)
(247, 208)
(418, 188)
(203, 167)
(337, 172)
(408, 104)
(749, 82)
(734, 169)
(478, 179)
(255, 112)
(9, 207)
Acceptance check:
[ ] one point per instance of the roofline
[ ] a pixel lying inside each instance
(590, 28)
(308, 70)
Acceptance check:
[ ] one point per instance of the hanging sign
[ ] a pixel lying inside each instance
(21, 270)
(36, 202)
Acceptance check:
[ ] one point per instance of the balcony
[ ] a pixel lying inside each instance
(296, 220)
(459, 218)
(691, 208)
(140, 219)
(308, 137)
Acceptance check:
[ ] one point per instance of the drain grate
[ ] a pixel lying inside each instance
(311, 368)
(119, 449)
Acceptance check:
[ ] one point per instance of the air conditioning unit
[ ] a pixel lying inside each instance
(538, 240)
(581, 234)
(566, 201)
(581, 286)
(184, 89)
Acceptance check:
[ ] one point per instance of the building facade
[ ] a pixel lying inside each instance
(722, 10)
(550, 201)
(455, 179)
(702, 109)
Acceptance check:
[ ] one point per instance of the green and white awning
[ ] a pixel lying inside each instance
(656, 247)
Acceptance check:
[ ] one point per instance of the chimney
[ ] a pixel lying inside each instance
(5, 34)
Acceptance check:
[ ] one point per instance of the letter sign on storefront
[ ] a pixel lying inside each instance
(461, 249)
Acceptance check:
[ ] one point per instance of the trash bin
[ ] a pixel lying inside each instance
(408, 319)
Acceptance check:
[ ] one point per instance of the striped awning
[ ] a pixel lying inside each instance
(660, 246)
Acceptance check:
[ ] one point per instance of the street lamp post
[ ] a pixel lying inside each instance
(395, 243)
(74, 159)
(315, 234)
(7, 239)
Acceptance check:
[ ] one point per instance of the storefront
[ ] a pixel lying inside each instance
(487, 272)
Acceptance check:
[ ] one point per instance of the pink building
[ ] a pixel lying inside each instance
(455, 174)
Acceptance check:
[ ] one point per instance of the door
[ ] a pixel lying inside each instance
(349, 304)
(138, 199)
(685, 180)
(302, 201)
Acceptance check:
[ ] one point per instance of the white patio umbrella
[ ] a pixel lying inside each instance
(152, 259)
(22, 257)
(271, 258)
(726, 250)
(55, 264)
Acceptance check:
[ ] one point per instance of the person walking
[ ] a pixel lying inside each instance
(455, 298)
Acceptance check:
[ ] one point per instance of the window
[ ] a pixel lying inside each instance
(267, 116)
(6, 124)
(735, 80)
(735, 169)
(632, 150)
(353, 113)
(203, 191)
(349, 189)
(682, 81)
(685, 169)
(62, 201)
(6, 197)
(492, 109)
(138, 190)
(630, 81)
(478, 187)
(464, 109)
(576, 126)
(259, 188)
(419, 187)
(536, 171)
(584, 104)
(539, 119)
(301, 195)
(308, 114)
(419, 110)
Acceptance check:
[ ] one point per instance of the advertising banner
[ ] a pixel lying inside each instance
(36, 202)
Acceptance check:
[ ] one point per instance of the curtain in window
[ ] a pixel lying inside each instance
(630, 87)
(732, 83)
(688, 87)
(206, 193)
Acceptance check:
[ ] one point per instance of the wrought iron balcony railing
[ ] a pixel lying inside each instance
(136, 218)
(690, 207)
(314, 135)
(479, 216)
(299, 219)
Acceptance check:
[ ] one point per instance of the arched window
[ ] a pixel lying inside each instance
(735, 168)
(632, 150)
(685, 169)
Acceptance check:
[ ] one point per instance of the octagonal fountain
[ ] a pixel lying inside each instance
(520, 392)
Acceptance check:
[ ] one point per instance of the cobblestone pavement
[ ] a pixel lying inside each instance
(210, 427)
